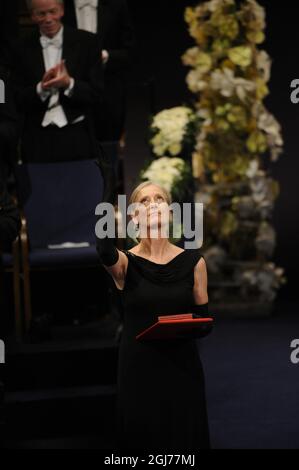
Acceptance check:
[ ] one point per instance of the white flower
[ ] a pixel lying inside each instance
(266, 239)
(253, 169)
(215, 258)
(195, 81)
(267, 123)
(263, 63)
(227, 84)
(165, 171)
(171, 126)
(258, 11)
(213, 5)
(265, 280)
(263, 194)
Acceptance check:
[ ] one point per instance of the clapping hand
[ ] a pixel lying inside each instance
(56, 77)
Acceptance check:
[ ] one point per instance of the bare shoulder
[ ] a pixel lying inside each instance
(200, 288)
(201, 266)
(200, 272)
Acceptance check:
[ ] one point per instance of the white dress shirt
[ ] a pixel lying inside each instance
(52, 53)
(87, 19)
(87, 15)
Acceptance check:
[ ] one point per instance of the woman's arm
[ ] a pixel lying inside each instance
(113, 260)
(200, 289)
(118, 270)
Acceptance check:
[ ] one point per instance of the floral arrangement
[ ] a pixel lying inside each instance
(170, 173)
(229, 75)
(173, 133)
(171, 129)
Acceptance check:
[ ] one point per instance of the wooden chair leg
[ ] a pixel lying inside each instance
(26, 275)
(27, 294)
(17, 289)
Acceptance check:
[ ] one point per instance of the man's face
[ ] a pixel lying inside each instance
(47, 15)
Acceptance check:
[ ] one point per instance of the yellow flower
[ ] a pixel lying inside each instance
(241, 55)
(204, 62)
(220, 46)
(257, 142)
(222, 124)
(229, 27)
(198, 33)
(240, 165)
(193, 57)
(190, 15)
(257, 37)
(237, 116)
(261, 89)
(175, 149)
(216, 18)
(222, 110)
(227, 64)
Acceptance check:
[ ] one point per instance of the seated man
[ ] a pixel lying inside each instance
(58, 81)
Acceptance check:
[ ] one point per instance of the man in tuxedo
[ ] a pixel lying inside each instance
(110, 20)
(58, 80)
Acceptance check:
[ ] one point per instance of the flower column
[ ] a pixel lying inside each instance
(229, 76)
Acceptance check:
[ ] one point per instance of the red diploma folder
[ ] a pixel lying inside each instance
(177, 326)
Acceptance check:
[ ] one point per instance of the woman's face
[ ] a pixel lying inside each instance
(153, 211)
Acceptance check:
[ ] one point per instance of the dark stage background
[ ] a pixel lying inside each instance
(157, 80)
(61, 394)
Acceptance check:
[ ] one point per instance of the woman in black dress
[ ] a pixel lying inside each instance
(161, 396)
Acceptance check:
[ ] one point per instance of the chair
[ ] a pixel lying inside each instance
(11, 264)
(58, 201)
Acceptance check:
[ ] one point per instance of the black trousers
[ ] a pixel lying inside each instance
(53, 144)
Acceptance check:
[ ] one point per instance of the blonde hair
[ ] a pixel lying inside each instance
(145, 184)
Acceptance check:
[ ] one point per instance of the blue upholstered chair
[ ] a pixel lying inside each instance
(58, 201)
(11, 264)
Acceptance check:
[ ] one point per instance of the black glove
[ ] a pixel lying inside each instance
(109, 178)
(202, 311)
(105, 246)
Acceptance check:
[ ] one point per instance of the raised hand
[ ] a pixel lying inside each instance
(109, 177)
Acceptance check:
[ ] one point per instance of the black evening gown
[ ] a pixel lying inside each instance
(161, 393)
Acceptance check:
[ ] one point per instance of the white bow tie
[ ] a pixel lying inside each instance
(85, 3)
(46, 42)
